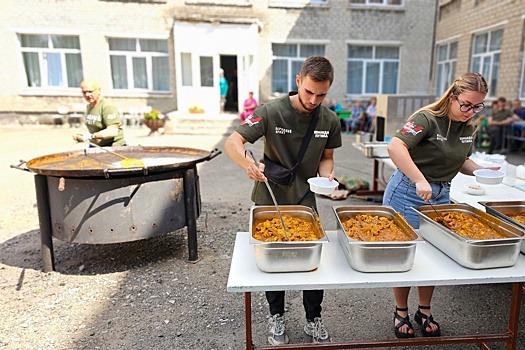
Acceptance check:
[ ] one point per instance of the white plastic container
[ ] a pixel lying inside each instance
(322, 185)
(489, 176)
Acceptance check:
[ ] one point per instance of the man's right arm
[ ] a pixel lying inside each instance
(234, 147)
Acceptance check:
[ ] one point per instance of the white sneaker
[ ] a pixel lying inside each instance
(317, 331)
(276, 332)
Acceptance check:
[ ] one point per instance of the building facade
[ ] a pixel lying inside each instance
(167, 53)
(482, 36)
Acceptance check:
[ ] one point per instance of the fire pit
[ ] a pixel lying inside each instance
(91, 196)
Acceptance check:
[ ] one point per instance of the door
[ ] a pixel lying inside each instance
(200, 48)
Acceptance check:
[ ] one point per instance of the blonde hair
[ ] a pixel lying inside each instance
(464, 83)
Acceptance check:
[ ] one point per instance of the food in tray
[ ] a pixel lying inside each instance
(518, 217)
(373, 228)
(467, 225)
(297, 228)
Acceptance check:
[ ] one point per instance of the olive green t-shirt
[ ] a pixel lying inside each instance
(500, 115)
(99, 117)
(283, 129)
(438, 150)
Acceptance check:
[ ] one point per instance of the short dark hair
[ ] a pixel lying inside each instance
(502, 99)
(318, 68)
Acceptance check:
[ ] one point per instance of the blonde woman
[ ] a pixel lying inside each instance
(432, 147)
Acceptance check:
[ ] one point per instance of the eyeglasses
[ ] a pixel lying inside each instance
(466, 107)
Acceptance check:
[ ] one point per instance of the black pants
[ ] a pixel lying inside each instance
(312, 300)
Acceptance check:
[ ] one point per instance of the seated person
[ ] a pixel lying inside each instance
(249, 106)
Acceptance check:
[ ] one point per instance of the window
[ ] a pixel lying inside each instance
(139, 64)
(445, 66)
(206, 66)
(52, 61)
(486, 51)
(372, 69)
(296, 3)
(377, 2)
(287, 62)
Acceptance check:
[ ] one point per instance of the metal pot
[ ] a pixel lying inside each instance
(89, 197)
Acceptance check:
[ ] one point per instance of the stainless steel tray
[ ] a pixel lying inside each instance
(504, 210)
(471, 253)
(376, 256)
(375, 149)
(286, 256)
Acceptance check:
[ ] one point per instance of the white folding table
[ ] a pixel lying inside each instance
(431, 267)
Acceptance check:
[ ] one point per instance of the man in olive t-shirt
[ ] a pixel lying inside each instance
(283, 124)
(102, 118)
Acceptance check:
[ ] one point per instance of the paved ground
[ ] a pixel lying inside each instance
(358, 314)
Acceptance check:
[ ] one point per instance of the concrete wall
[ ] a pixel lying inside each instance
(461, 19)
(337, 23)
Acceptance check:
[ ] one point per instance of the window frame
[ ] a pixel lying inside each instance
(136, 55)
(368, 63)
(42, 53)
(489, 59)
(448, 65)
(291, 61)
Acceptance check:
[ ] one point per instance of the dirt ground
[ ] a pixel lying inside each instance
(148, 295)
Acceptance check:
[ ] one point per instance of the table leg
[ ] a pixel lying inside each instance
(375, 183)
(514, 315)
(248, 319)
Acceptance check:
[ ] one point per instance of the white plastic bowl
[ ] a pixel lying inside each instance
(322, 185)
(475, 189)
(489, 176)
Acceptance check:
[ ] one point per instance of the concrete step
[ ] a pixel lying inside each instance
(201, 123)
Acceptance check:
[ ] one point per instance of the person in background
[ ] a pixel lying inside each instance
(223, 88)
(440, 131)
(355, 120)
(371, 114)
(249, 106)
(518, 127)
(499, 120)
(283, 122)
(102, 119)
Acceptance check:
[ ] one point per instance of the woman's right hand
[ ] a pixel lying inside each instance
(424, 190)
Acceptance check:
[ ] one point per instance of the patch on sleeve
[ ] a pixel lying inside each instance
(411, 128)
(252, 120)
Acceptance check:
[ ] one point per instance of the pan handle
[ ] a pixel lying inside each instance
(19, 166)
(214, 153)
(109, 172)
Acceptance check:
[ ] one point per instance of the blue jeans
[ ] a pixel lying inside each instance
(400, 194)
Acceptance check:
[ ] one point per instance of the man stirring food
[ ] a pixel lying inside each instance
(102, 119)
(283, 123)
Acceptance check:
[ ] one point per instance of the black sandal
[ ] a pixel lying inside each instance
(402, 321)
(425, 321)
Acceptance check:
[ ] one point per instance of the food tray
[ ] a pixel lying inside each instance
(286, 256)
(375, 149)
(377, 256)
(471, 253)
(503, 210)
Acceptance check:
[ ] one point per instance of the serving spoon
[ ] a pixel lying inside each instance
(273, 198)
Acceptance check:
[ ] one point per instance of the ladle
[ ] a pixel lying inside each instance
(273, 198)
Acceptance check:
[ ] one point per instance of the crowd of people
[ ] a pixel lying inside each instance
(501, 128)
(355, 117)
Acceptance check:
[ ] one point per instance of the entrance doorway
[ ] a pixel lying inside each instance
(229, 65)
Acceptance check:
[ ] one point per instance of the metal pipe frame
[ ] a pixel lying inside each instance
(483, 340)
